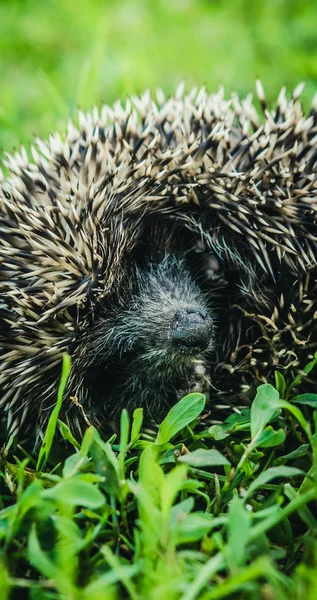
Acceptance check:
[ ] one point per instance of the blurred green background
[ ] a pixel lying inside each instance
(58, 55)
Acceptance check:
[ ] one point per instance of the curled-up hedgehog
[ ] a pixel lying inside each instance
(165, 244)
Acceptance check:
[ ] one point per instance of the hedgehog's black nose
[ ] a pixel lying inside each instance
(191, 329)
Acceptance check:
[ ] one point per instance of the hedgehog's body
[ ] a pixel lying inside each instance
(91, 231)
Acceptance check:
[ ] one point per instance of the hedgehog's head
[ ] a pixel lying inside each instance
(142, 350)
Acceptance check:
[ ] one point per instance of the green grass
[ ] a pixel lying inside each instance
(191, 512)
(60, 54)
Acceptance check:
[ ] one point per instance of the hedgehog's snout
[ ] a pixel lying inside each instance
(191, 329)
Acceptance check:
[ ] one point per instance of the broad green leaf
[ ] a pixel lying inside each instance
(270, 437)
(75, 461)
(193, 527)
(238, 528)
(264, 405)
(29, 498)
(192, 485)
(107, 465)
(181, 510)
(217, 432)
(171, 455)
(182, 414)
(204, 458)
(308, 399)
(107, 451)
(242, 416)
(40, 559)
(272, 473)
(69, 531)
(151, 475)
(74, 492)
(150, 515)
(238, 421)
(73, 464)
(171, 486)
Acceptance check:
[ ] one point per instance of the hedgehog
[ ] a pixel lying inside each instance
(166, 244)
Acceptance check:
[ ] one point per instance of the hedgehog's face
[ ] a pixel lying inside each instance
(146, 348)
(168, 315)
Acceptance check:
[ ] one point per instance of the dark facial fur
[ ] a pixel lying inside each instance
(142, 351)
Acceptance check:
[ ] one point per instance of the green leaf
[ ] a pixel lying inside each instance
(239, 418)
(297, 413)
(304, 512)
(171, 486)
(238, 528)
(193, 527)
(310, 479)
(70, 532)
(204, 458)
(151, 475)
(124, 438)
(51, 427)
(150, 515)
(263, 407)
(309, 399)
(39, 559)
(75, 492)
(75, 461)
(297, 453)
(280, 383)
(238, 421)
(298, 379)
(272, 473)
(181, 510)
(217, 432)
(276, 514)
(270, 437)
(29, 498)
(182, 414)
(107, 465)
(67, 434)
(101, 587)
(136, 424)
